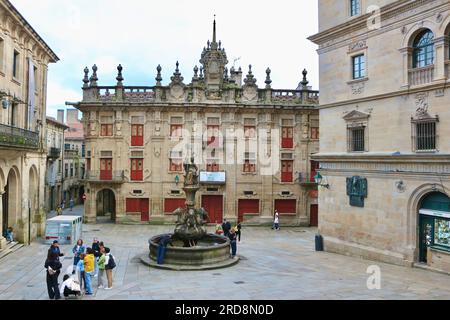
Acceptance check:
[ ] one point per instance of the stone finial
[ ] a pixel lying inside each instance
(86, 77)
(195, 78)
(177, 78)
(304, 82)
(208, 44)
(268, 80)
(158, 75)
(94, 77)
(225, 74)
(250, 79)
(201, 74)
(232, 70)
(220, 45)
(119, 77)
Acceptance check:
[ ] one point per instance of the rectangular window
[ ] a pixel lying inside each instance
(66, 170)
(105, 169)
(137, 169)
(314, 169)
(137, 135)
(355, 7)
(356, 139)
(442, 232)
(424, 135)
(213, 136)
(314, 133)
(88, 164)
(359, 66)
(287, 137)
(176, 161)
(71, 169)
(249, 162)
(106, 128)
(36, 82)
(16, 64)
(249, 127)
(212, 166)
(83, 150)
(287, 172)
(170, 205)
(176, 131)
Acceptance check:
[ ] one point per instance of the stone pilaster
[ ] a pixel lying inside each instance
(2, 239)
(441, 55)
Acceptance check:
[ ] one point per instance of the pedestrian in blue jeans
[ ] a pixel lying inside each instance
(77, 250)
(163, 242)
(233, 241)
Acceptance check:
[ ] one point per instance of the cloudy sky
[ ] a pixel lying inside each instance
(140, 34)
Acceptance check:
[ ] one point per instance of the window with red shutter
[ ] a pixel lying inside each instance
(176, 131)
(249, 132)
(287, 171)
(106, 169)
(213, 136)
(137, 168)
(314, 133)
(170, 205)
(137, 135)
(212, 166)
(106, 130)
(287, 206)
(287, 137)
(314, 169)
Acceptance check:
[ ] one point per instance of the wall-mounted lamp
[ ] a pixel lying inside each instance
(319, 180)
(177, 179)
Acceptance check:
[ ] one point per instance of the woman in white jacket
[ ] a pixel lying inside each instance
(69, 286)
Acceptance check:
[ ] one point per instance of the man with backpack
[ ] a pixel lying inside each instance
(110, 264)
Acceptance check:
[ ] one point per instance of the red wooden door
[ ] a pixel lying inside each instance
(105, 169)
(137, 135)
(145, 213)
(247, 206)
(287, 137)
(314, 215)
(286, 206)
(287, 174)
(214, 206)
(137, 166)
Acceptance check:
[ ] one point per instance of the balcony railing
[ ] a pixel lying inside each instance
(306, 180)
(105, 176)
(54, 153)
(18, 138)
(421, 76)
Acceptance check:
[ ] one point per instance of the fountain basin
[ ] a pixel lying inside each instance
(211, 252)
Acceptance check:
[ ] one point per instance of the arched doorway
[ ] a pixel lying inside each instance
(106, 205)
(434, 223)
(11, 201)
(32, 198)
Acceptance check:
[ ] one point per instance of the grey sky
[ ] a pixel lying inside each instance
(140, 34)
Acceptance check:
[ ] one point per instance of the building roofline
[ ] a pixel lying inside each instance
(57, 123)
(28, 26)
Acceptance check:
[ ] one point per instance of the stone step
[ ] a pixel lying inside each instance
(10, 248)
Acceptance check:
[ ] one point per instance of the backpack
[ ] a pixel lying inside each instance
(111, 262)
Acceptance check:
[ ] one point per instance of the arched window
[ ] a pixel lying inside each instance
(423, 49)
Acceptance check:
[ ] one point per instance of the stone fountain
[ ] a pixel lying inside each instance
(192, 247)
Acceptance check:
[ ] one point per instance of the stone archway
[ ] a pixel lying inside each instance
(414, 206)
(11, 203)
(106, 205)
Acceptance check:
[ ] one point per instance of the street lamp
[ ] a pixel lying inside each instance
(319, 180)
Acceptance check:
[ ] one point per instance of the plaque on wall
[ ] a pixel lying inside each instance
(357, 191)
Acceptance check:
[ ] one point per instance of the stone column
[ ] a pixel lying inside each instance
(440, 58)
(406, 54)
(2, 239)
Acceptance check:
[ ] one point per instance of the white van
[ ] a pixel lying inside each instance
(65, 229)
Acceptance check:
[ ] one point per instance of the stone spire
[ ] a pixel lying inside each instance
(177, 78)
(214, 60)
(250, 79)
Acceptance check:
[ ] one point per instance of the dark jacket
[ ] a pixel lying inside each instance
(96, 248)
(55, 250)
(232, 236)
(226, 227)
(55, 265)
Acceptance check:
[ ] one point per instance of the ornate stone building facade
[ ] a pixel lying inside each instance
(384, 117)
(24, 58)
(252, 145)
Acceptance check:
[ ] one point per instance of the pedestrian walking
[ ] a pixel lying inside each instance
(96, 249)
(110, 264)
(77, 250)
(276, 221)
(59, 210)
(80, 270)
(89, 270)
(226, 227)
(101, 268)
(238, 232)
(54, 248)
(71, 204)
(53, 268)
(233, 242)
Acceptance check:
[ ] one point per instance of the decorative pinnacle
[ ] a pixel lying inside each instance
(177, 75)
(268, 80)
(158, 75)
(195, 74)
(94, 77)
(250, 79)
(304, 82)
(86, 76)
(201, 74)
(225, 74)
(119, 77)
(214, 30)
